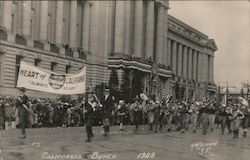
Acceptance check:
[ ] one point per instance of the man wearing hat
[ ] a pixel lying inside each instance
(235, 119)
(222, 117)
(246, 111)
(204, 111)
(137, 110)
(108, 102)
(23, 113)
(121, 113)
(194, 110)
(89, 116)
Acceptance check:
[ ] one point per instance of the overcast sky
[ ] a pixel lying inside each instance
(228, 23)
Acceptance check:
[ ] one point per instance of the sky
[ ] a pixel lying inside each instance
(228, 23)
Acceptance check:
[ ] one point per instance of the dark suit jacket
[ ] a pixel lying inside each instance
(89, 115)
(108, 106)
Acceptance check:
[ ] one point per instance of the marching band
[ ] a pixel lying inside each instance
(172, 114)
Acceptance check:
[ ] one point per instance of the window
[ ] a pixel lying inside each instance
(52, 66)
(68, 67)
(33, 5)
(12, 22)
(18, 62)
(49, 29)
(31, 28)
(37, 62)
(1, 10)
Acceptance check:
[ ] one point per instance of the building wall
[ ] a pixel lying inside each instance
(101, 28)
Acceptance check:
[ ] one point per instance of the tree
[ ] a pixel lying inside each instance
(113, 79)
(125, 85)
(113, 84)
(137, 86)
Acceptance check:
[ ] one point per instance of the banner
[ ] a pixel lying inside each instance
(35, 78)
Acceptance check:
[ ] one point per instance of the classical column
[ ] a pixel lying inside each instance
(73, 16)
(86, 22)
(174, 57)
(7, 9)
(206, 72)
(127, 40)
(190, 63)
(212, 68)
(26, 17)
(59, 22)
(119, 27)
(138, 30)
(194, 76)
(201, 67)
(43, 20)
(150, 29)
(185, 59)
(160, 35)
(179, 71)
(169, 58)
(165, 51)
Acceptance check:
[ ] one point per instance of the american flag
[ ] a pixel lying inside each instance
(169, 95)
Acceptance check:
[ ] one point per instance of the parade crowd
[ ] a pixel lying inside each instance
(175, 115)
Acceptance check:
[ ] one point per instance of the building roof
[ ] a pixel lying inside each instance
(191, 33)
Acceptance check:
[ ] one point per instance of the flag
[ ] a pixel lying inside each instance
(169, 95)
(241, 92)
(225, 98)
(218, 98)
(248, 91)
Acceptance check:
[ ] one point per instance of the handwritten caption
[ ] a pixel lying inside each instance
(144, 155)
(202, 147)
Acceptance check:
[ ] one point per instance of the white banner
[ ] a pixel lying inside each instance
(35, 78)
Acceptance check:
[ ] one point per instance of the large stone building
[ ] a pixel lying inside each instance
(137, 36)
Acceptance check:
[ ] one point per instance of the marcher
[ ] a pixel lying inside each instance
(121, 113)
(108, 102)
(150, 105)
(222, 117)
(170, 112)
(204, 111)
(1, 114)
(194, 110)
(23, 114)
(89, 116)
(212, 111)
(236, 118)
(246, 111)
(137, 108)
(157, 114)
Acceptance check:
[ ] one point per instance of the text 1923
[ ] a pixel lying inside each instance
(144, 155)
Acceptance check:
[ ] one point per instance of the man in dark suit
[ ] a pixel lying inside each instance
(89, 116)
(108, 109)
(23, 113)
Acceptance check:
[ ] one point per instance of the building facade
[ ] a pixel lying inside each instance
(137, 36)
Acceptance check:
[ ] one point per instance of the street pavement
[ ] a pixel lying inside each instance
(69, 143)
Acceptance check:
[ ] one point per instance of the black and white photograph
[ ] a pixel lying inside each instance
(124, 79)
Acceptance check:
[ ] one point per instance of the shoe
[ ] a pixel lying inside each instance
(194, 131)
(169, 129)
(88, 140)
(212, 129)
